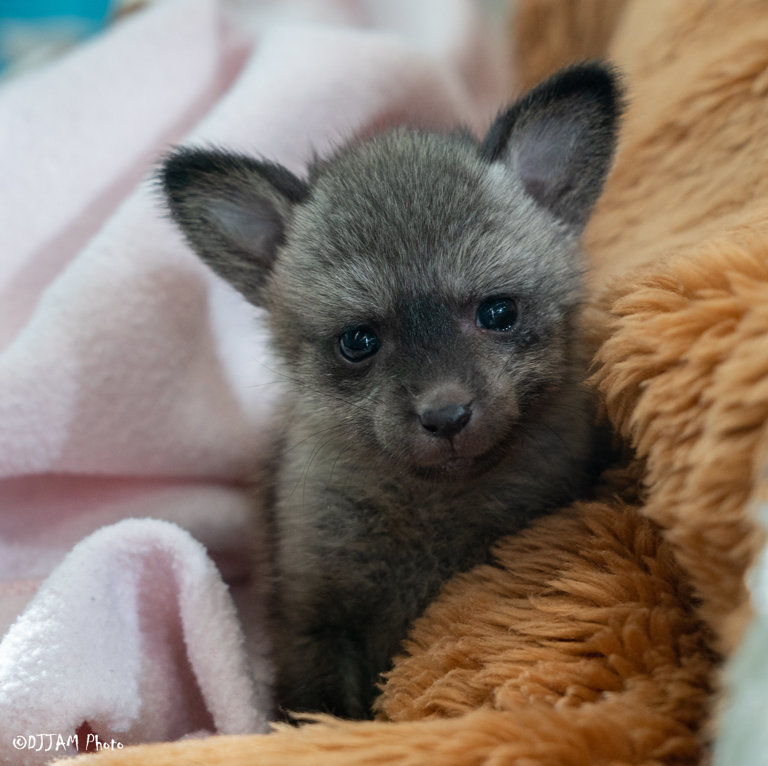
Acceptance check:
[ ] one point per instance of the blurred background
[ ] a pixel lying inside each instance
(35, 31)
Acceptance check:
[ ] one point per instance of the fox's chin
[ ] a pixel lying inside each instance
(457, 468)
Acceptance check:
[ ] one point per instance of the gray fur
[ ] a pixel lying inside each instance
(408, 233)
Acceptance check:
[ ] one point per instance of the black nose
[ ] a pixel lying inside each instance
(446, 421)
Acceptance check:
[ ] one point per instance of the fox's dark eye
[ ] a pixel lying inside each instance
(498, 314)
(358, 343)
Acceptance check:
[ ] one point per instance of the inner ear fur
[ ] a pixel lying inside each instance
(233, 211)
(560, 138)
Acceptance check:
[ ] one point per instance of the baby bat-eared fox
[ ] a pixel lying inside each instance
(423, 293)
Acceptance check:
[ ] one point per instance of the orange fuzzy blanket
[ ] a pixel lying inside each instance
(599, 637)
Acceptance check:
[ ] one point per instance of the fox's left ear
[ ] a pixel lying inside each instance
(233, 210)
(560, 139)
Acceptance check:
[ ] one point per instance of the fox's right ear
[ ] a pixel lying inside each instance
(560, 138)
(233, 211)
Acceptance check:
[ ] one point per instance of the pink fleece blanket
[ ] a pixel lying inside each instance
(135, 387)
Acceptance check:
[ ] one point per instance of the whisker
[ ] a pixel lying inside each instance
(311, 436)
(573, 408)
(268, 383)
(313, 390)
(305, 471)
(333, 468)
(315, 452)
(561, 440)
(352, 468)
(528, 434)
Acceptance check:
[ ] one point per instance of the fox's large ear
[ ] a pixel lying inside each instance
(233, 211)
(560, 139)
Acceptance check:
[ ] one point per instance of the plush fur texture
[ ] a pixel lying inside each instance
(409, 401)
(688, 205)
(550, 34)
(601, 636)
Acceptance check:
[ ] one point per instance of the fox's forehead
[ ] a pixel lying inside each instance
(365, 245)
(402, 196)
(402, 160)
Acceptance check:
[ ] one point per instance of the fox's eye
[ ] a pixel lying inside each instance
(498, 314)
(358, 343)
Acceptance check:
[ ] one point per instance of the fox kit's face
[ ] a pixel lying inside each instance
(425, 300)
(422, 289)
